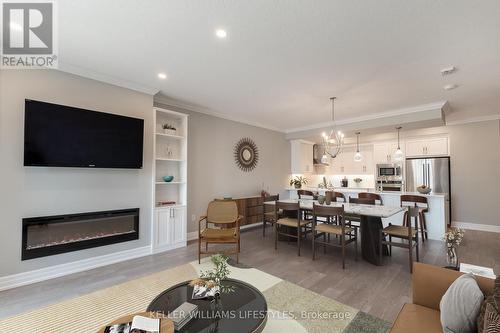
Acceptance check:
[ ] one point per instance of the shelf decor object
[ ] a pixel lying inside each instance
(246, 154)
(334, 141)
(168, 179)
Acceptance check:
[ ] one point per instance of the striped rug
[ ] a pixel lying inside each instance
(302, 307)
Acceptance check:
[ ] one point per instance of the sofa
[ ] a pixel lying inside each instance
(429, 283)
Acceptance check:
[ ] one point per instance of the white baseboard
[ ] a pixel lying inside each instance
(475, 226)
(192, 235)
(21, 279)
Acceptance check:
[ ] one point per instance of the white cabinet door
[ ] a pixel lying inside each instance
(301, 157)
(415, 148)
(366, 165)
(178, 225)
(162, 228)
(437, 146)
(381, 153)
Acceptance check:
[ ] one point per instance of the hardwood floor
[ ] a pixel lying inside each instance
(377, 290)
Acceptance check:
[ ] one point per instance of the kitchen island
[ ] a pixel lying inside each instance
(437, 217)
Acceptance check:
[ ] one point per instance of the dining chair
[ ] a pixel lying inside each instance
(407, 234)
(222, 226)
(410, 200)
(291, 209)
(305, 194)
(371, 196)
(268, 212)
(338, 196)
(341, 230)
(356, 218)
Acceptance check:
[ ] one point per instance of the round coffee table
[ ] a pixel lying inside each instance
(242, 310)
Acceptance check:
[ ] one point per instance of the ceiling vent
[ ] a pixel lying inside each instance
(448, 70)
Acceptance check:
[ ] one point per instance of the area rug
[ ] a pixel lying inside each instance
(291, 307)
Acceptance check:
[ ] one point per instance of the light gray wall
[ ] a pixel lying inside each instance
(212, 172)
(35, 191)
(475, 172)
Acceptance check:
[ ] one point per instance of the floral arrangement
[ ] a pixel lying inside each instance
(209, 282)
(453, 237)
(298, 181)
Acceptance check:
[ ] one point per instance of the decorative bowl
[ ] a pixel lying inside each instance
(168, 179)
(424, 189)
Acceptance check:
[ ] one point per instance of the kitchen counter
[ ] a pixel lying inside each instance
(437, 217)
(364, 189)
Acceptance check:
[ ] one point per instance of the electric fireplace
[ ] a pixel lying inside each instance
(49, 235)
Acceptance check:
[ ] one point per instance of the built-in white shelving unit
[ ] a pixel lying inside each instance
(170, 159)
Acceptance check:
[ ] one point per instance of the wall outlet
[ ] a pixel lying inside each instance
(193, 218)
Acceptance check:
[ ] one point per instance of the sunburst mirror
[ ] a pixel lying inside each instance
(246, 154)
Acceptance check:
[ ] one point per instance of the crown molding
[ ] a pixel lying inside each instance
(473, 120)
(394, 113)
(168, 101)
(90, 74)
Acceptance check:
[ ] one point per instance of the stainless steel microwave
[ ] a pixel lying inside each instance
(393, 170)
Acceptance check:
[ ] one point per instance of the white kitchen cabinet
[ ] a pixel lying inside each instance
(170, 228)
(301, 156)
(345, 164)
(433, 146)
(384, 152)
(366, 165)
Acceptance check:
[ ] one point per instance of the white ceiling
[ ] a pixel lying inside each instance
(283, 59)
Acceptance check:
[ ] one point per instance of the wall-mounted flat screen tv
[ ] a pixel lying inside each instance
(64, 136)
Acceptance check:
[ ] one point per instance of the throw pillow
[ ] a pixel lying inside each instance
(491, 319)
(460, 305)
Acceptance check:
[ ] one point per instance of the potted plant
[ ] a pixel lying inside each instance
(209, 284)
(298, 181)
(453, 237)
(169, 129)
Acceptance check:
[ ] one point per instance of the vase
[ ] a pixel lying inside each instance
(321, 199)
(451, 256)
(297, 186)
(328, 198)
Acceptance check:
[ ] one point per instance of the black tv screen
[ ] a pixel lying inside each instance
(63, 136)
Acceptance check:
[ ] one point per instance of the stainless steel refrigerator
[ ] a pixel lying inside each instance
(433, 172)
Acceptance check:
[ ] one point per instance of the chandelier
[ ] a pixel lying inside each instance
(333, 142)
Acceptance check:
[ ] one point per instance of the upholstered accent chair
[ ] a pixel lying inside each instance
(222, 226)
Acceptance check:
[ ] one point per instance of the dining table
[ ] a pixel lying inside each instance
(370, 223)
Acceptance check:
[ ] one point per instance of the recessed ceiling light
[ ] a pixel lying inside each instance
(221, 33)
(162, 76)
(450, 86)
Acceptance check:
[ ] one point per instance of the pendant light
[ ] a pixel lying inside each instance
(334, 142)
(398, 154)
(357, 157)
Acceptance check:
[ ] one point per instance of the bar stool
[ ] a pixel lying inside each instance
(370, 196)
(306, 193)
(412, 200)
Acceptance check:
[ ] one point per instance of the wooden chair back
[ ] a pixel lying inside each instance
(275, 197)
(337, 195)
(328, 211)
(371, 196)
(411, 200)
(287, 206)
(412, 214)
(362, 201)
(306, 193)
(222, 212)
